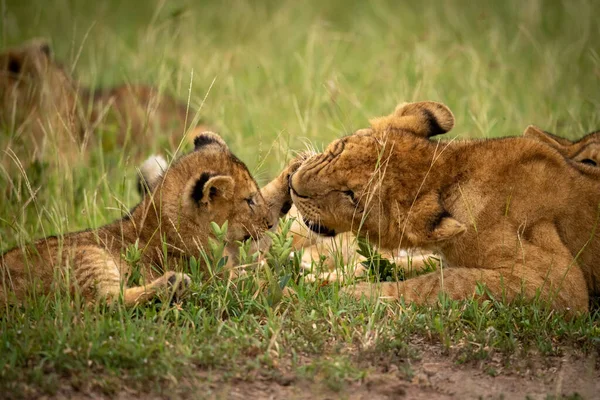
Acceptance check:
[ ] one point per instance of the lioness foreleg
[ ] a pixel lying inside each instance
(566, 292)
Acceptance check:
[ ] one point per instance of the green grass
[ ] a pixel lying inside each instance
(271, 77)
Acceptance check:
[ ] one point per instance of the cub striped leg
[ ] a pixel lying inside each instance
(175, 281)
(98, 275)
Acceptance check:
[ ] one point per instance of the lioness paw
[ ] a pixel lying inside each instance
(374, 291)
(362, 289)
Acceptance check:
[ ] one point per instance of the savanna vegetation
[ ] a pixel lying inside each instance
(274, 78)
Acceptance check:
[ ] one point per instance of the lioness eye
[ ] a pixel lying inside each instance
(250, 201)
(349, 193)
(589, 162)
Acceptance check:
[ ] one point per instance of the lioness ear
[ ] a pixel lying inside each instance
(447, 228)
(425, 119)
(557, 142)
(208, 188)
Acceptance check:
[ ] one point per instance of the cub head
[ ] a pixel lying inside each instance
(585, 151)
(32, 85)
(209, 184)
(373, 182)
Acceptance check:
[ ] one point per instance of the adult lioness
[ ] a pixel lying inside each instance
(171, 223)
(509, 213)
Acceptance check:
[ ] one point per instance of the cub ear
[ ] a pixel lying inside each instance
(445, 229)
(150, 173)
(554, 141)
(424, 119)
(208, 139)
(209, 187)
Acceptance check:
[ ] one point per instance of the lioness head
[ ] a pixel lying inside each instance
(209, 184)
(585, 150)
(366, 182)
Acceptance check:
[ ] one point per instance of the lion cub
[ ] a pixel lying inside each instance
(209, 184)
(46, 111)
(511, 214)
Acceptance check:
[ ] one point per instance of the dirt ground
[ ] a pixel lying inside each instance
(433, 375)
(438, 377)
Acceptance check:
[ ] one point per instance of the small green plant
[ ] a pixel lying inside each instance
(280, 267)
(380, 268)
(133, 255)
(215, 257)
(278, 256)
(245, 254)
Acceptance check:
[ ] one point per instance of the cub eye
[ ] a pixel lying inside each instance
(349, 193)
(250, 201)
(589, 162)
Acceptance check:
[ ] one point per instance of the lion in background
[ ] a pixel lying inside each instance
(46, 114)
(512, 214)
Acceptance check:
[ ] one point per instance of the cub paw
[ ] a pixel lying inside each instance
(295, 163)
(178, 283)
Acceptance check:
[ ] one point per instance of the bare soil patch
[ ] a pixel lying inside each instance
(434, 375)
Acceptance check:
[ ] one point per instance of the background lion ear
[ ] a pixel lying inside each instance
(45, 48)
(208, 188)
(38, 46)
(557, 142)
(425, 119)
(446, 229)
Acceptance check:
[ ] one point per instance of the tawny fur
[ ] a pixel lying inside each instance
(209, 184)
(513, 214)
(47, 111)
(586, 151)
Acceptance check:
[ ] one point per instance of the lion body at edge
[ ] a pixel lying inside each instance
(513, 214)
